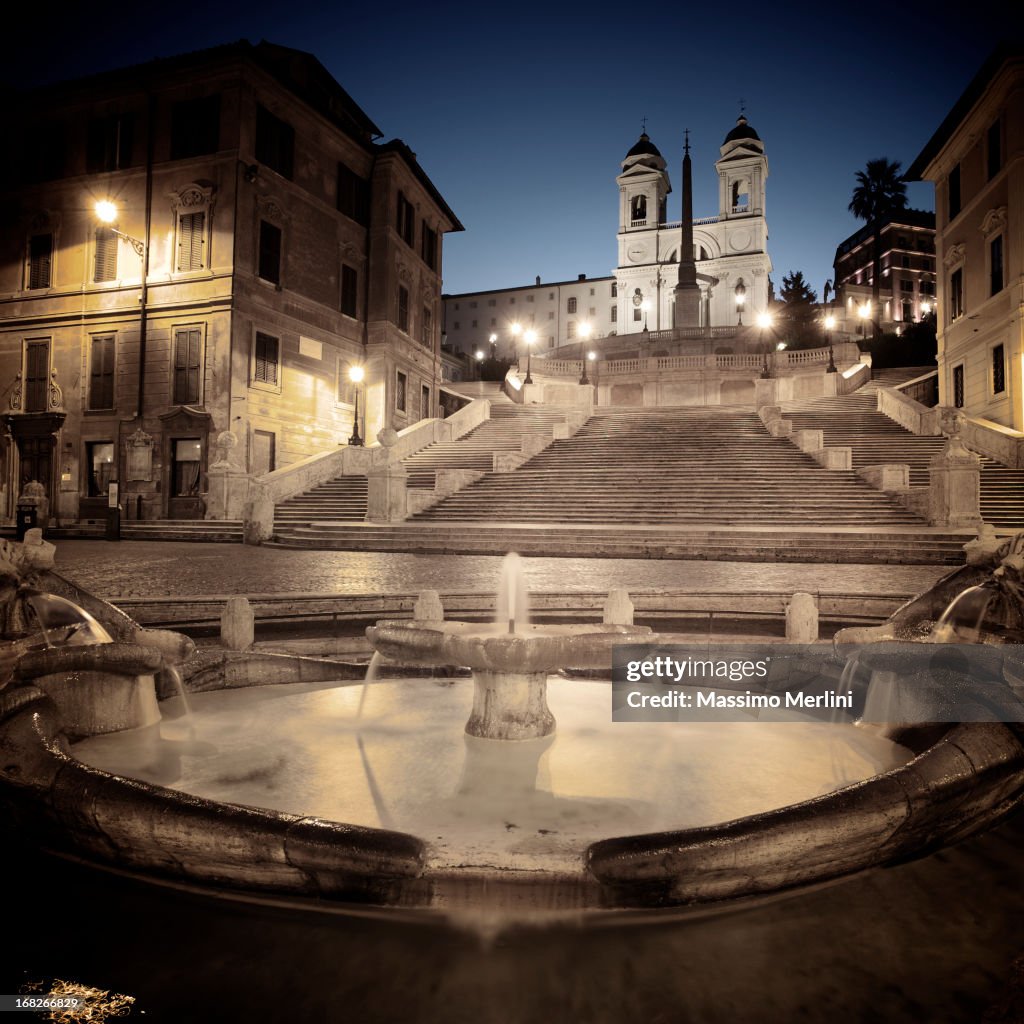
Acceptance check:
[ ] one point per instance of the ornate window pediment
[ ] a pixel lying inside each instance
(192, 207)
(954, 255)
(994, 221)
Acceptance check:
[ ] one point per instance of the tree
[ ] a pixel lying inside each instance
(799, 311)
(880, 190)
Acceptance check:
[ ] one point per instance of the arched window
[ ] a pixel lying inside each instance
(638, 211)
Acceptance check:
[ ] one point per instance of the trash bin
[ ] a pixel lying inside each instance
(27, 517)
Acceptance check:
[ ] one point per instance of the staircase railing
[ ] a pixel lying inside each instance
(923, 389)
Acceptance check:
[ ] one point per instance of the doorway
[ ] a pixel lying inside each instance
(264, 444)
(184, 501)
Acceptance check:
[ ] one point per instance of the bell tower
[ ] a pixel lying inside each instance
(643, 186)
(742, 173)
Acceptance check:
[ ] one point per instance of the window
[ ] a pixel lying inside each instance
(570, 329)
(428, 247)
(37, 375)
(905, 261)
(108, 144)
(570, 306)
(637, 316)
(906, 310)
(406, 219)
(400, 383)
(101, 372)
(275, 143)
(638, 209)
(958, 386)
(99, 463)
(551, 316)
(473, 304)
(270, 252)
(615, 289)
(953, 188)
(956, 294)
(195, 127)
(491, 302)
(906, 286)
(105, 260)
(266, 359)
(615, 314)
(926, 287)
(353, 195)
(191, 240)
(994, 149)
(995, 265)
(403, 309)
(40, 260)
(424, 402)
(187, 365)
(998, 369)
(529, 298)
(349, 287)
(476, 323)
(427, 327)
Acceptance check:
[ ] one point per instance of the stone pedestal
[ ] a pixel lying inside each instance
(257, 518)
(618, 608)
(802, 619)
(765, 392)
(510, 706)
(954, 497)
(229, 492)
(237, 624)
(386, 496)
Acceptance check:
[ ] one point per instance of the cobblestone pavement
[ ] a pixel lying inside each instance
(162, 568)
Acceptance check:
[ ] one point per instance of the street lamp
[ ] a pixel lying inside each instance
(830, 322)
(645, 306)
(864, 313)
(106, 213)
(585, 330)
(764, 321)
(529, 337)
(355, 374)
(741, 297)
(926, 308)
(479, 356)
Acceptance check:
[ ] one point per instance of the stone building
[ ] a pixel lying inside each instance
(976, 160)
(907, 281)
(261, 241)
(730, 249)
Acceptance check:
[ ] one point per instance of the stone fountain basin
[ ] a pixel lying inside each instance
(491, 648)
(963, 779)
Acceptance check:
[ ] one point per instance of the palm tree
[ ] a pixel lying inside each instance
(880, 190)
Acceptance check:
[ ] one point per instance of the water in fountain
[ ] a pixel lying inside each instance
(513, 601)
(61, 622)
(962, 621)
(370, 677)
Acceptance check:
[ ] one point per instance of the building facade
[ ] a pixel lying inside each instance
(259, 242)
(976, 160)
(906, 241)
(730, 249)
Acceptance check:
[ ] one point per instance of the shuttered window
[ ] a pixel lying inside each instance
(400, 387)
(187, 365)
(101, 373)
(349, 287)
(37, 373)
(40, 260)
(191, 229)
(266, 360)
(270, 252)
(105, 267)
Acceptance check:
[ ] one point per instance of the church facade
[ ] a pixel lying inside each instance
(730, 252)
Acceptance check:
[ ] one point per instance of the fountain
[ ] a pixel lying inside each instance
(455, 793)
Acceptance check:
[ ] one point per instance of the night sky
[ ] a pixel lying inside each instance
(521, 115)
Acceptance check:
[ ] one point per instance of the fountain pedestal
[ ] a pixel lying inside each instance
(510, 706)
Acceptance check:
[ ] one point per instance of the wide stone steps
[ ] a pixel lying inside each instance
(899, 545)
(341, 499)
(853, 421)
(222, 530)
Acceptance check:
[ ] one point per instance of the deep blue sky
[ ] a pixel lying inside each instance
(522, 114)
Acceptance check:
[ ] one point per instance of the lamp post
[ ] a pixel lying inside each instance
(926, 308)
(529, 337)
(830, 322)
(864, 313)
(515, 330)
(585, 332)
(479, 356)
(741, 297)
(106, 213)
(764, 321)
(646, 307)
(356, 374)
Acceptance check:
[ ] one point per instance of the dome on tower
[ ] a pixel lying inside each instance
(643, 147)
(741, 131)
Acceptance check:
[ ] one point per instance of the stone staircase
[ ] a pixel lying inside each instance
(685, 466)
(345, 498)
(221, 530)
(854, 421)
